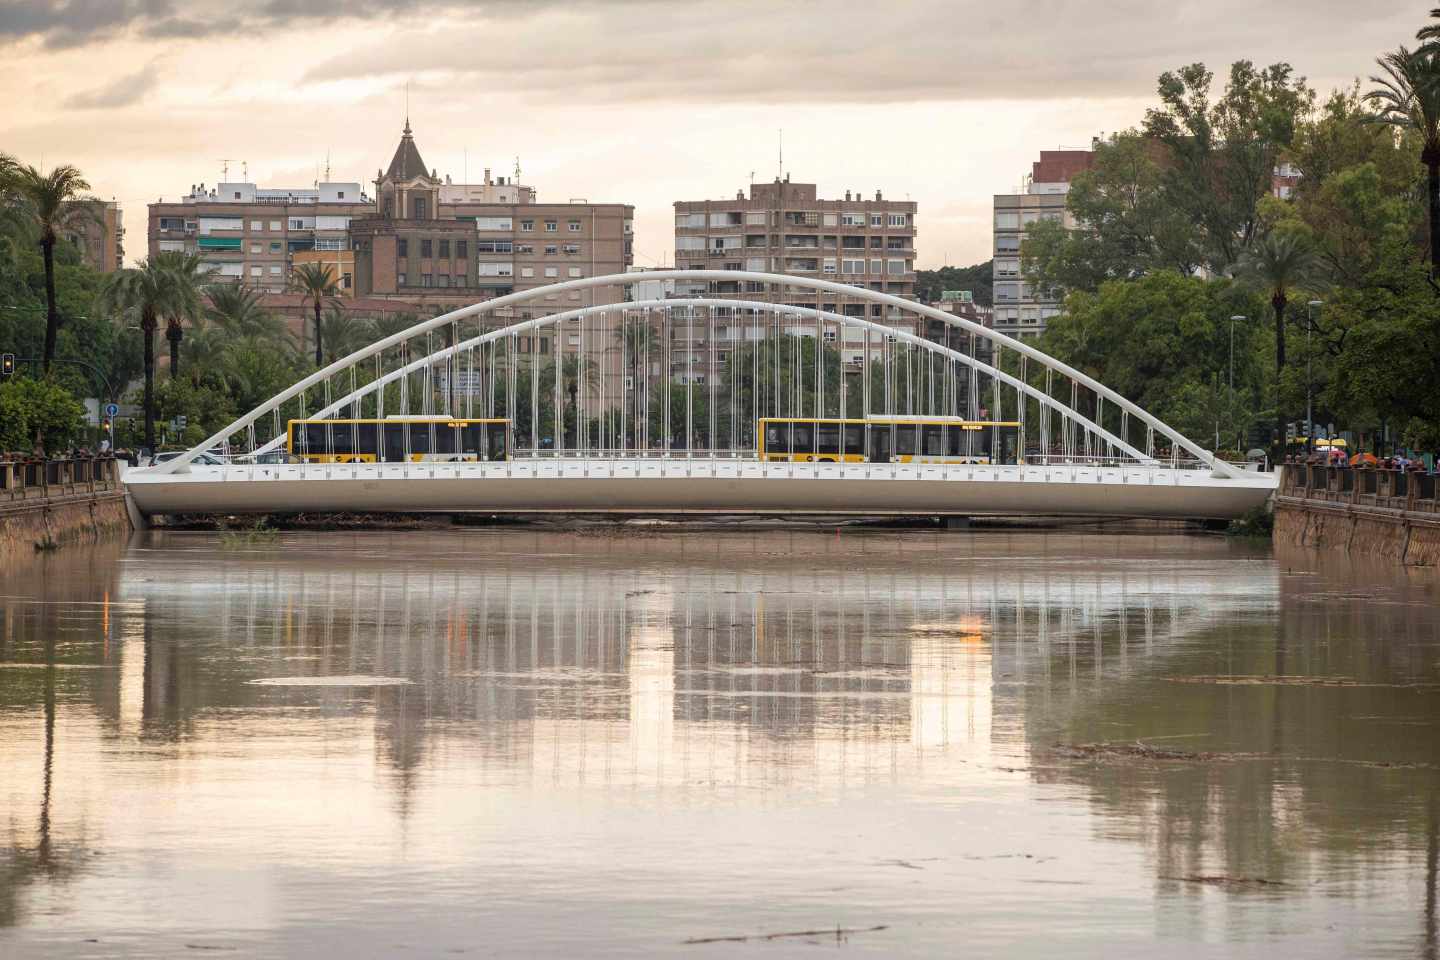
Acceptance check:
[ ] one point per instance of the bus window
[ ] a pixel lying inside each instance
(905, 439)
(934, 439)
(777, 438)
(497, 440)
(829, 439)
(854, 440)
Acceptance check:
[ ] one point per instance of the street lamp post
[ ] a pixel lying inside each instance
(1309, 382)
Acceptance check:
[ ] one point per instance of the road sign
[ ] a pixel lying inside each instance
(112, 409)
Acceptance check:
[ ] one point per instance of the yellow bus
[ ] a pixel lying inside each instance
(888, 439)
(398, 439)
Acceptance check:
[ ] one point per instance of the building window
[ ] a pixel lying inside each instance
(462, 249)
(340, 195)
(575, 272)
(551, 249)
(275, 246)
(852, 266)
(442, 280)
(828, 266)
(852, 243)
(877, 266)
(574, 226)
(254, 248)
(427, 249)
(527, 226)
(551, 226)
(445, 249)
(256, 226)
(1007, 220)
(877, 220)
(421, 208)
(895, 268)
(527, 271)
(899, 219)
(275, 270)
(400, 279)
(552, 271)
(426, 280)
(571, 248)
(344, 277)
(402, 247)
(255, 271)
(877, 243)
(1007, 244)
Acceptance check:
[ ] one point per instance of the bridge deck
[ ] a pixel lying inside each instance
(701, 485)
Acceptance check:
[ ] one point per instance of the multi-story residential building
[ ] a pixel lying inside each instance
(100, 237)
(254, 235)
(445, 244)
(1020, 309)
(784, 228)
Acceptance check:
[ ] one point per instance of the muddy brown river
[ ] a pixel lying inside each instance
(760, 743)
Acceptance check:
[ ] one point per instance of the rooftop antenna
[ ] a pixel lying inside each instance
(224, 169)
(517, 168)
(327, 164)
(780, 169)
(245, 170)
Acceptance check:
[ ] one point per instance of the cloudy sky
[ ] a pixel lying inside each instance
(943, 101)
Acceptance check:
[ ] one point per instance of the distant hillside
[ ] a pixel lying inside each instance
(929, 283)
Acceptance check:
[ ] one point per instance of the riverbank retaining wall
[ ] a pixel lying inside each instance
(56, 502)
(1378, 513)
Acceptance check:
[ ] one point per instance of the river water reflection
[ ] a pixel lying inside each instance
(547, 744)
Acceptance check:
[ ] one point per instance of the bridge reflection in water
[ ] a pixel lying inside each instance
(628, 715)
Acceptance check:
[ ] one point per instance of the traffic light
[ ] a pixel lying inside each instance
(107, 424)
(7, 364)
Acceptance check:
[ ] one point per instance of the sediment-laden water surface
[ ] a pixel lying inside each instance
(521, 743)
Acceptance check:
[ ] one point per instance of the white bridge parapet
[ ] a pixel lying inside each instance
(703, 485)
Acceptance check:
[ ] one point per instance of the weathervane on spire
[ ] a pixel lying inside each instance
(407, 108)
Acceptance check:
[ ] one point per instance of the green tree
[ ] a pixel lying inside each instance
(238, 311)
(978, 279)
(144, 293)
(38, 412)
(1220, 157)
(1280, 265)
(1407, 96)
(315, 282)
(183, 303)
(51, 202)
(343, 334)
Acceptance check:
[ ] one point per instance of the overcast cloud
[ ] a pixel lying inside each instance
(636, 101)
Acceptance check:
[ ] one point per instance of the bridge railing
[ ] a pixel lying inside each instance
(1363, 487)
(31, 479)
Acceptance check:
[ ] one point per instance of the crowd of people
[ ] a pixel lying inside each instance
(1364, 460)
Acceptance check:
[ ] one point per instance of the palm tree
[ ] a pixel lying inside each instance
(188, 275)
(1408, 97)
(1280, 264)
(316, 282)
(143, 292)
(344, 334)
(51, 202)
(237, 310)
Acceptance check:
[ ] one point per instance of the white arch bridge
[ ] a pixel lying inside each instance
(783, 395)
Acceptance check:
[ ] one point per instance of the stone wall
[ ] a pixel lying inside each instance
(1395, 535)
(71, 518)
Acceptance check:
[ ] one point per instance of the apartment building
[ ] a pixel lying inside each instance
(100, 238)
(446, 244)
(785, 228)
(247, 233)
(1021, 310)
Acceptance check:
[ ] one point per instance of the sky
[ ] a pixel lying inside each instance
(945, 102)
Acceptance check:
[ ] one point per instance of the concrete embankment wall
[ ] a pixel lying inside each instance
(1359, 515)
(75, 518)
(54, 502)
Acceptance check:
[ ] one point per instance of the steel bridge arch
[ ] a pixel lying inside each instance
(536, 323)
(1219, 467)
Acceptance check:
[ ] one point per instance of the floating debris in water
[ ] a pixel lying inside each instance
(355, 680)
